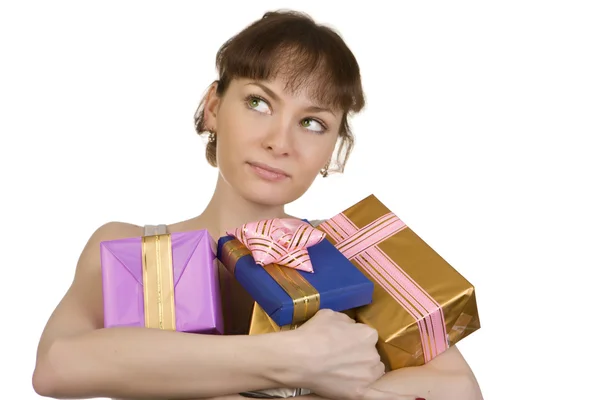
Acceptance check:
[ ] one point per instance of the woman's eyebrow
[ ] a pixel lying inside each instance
(319, 109)
(275, 97)
(266, 89)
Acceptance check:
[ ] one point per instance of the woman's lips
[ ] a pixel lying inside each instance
(267, 172)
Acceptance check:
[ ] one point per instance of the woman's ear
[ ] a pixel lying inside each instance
(211, 107)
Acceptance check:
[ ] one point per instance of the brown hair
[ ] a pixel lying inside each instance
(291, 43)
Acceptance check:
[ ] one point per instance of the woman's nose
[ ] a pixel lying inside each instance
(278, 138)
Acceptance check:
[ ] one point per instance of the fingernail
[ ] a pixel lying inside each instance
(420, 398)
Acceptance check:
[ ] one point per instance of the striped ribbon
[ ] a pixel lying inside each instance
(361, 246)
(282, 241)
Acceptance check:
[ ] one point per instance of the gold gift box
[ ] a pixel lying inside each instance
(421, 304)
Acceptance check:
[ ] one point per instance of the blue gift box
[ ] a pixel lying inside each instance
(340, 285)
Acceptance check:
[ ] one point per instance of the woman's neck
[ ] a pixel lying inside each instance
(227, 210)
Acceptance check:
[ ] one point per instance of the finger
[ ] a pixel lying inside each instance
(374, 394)
(379, 370)
(337, 316)
(345, 317)
(370, 333)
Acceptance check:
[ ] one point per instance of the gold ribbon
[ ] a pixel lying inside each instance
(231, 252)
(305, 297)
(260, 322)
(159, 290)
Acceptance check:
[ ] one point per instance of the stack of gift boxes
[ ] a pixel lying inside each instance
(363, 261)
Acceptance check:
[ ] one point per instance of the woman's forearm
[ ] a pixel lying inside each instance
(137, 363)
(422, 382)
(447, 377)
(431, 383)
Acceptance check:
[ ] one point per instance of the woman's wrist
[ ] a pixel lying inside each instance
(283, 363)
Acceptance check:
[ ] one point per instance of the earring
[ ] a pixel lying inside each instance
(325, 170)
(212, 136)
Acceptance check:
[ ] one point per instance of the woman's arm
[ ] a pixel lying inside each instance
(446, 377)
(77, 358)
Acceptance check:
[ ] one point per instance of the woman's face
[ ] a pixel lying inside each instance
(271, 144)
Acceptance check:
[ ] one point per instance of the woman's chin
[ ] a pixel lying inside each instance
(268, 196)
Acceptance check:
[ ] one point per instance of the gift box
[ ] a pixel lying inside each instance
(260, 321)
(291, 271)
(164, 281)
(421, 305)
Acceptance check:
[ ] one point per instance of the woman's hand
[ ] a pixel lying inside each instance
(336, 358)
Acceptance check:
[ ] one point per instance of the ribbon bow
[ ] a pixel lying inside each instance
(279, 241)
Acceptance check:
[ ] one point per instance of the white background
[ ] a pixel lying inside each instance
(479, 134)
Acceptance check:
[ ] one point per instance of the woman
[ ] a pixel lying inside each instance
(285, 91)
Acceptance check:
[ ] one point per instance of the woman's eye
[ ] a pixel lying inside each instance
(257, 104)
(312, 124)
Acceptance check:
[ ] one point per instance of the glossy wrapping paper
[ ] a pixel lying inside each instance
(421, 305)
(293, 295)
(167, 281)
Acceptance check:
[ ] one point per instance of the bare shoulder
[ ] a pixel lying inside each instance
(113, 230)
(90, 256)
(116, 230)
(87, 282)
(120, 230)
(81, 308)
(88, 270)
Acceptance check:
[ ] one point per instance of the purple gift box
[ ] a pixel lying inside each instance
(167, 281)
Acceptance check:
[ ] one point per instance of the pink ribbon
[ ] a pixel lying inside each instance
(361, 245)
(282, 241)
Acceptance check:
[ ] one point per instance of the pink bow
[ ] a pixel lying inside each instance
(279, 241)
